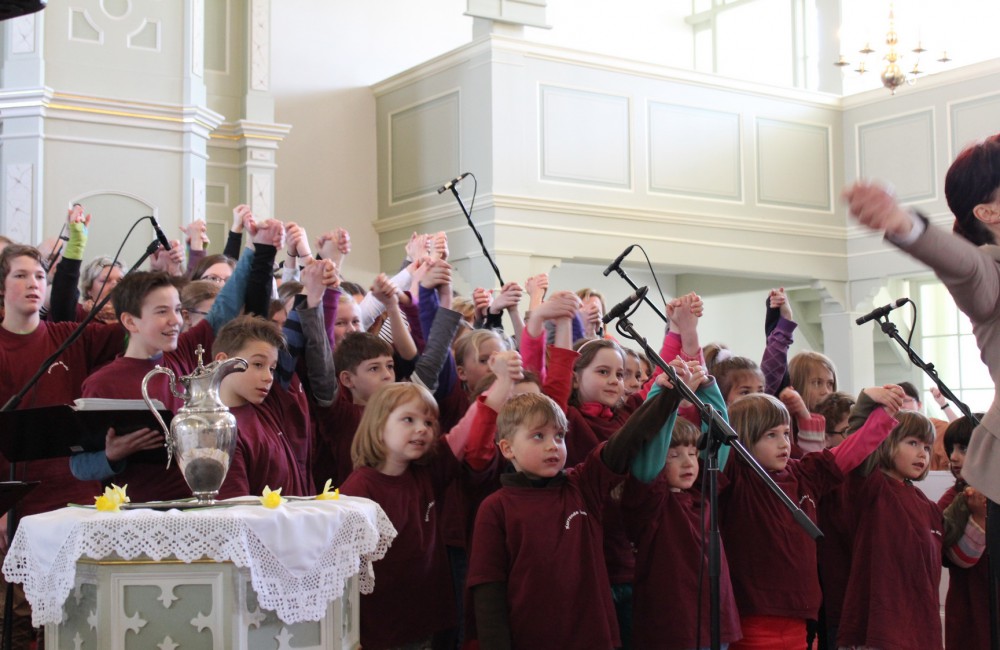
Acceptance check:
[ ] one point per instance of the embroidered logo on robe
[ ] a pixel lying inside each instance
(804, 498)
(427, 515)
(573, 515)
(57, 363)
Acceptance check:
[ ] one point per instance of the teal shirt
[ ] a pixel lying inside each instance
(649, 462)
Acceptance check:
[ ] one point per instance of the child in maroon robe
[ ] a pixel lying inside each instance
(900, 538)
(537, 543)
(966, 607)
(400, 464)
(772, 561)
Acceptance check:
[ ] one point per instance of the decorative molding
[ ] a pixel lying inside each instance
(260, 44)
(217, 194)
(516, 12)
(198, 199)
(425, 141)
(585, 137)
(82, 27)
(243, 133)
(260, 195)
(701, 155)
(961, 112)
(18, 211)
(487, 47)
(198, 38)
(902, 142)
(43, 102)
(787, 159)
(619, 214)
(116, 13)
(22, 30)
(145, 37)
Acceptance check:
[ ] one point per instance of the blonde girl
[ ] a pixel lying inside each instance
(400, 464)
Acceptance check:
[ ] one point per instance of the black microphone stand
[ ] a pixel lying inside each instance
(719, 433)
(468, 217)
(12, 404)
(992, 508)
(645, 298)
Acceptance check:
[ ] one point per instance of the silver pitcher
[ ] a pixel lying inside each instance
(203, 432)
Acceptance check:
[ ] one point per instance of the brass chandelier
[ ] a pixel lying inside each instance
(893, 75)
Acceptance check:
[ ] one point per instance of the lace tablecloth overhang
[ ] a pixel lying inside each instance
(298, 555)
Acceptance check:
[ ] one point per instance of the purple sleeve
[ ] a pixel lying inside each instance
(774, 363)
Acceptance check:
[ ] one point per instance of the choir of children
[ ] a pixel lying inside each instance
(561, 469)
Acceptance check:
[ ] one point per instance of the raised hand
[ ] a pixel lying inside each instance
(793, 402)
(889, 396)
(876, 207)
(508, 297)
(507, 364)
(385, 291)
(536, 286)
(434, 273)
(242, 217)
(269, 232)
(417, 247)
(296, 241)
(76, 215)
(196, 234)
(481, 301)
(439, 246)
(778, 300)
(684, 312)
(316, 277)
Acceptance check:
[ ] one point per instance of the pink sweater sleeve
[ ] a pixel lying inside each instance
(533, 352)
(860, 444)
(480, 447)
(559, 384)
(811, 433)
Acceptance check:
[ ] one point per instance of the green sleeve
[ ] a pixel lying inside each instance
(711, 394)
(648, 463)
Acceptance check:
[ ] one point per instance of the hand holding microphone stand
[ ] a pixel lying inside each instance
(719, 433)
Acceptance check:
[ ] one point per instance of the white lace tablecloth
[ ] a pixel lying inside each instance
(299, 554)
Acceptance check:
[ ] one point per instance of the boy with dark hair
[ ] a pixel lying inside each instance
(148, 305)
(539, 539)
(364, 363)
(274, 445)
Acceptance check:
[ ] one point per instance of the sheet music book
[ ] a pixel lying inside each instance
(64, 430)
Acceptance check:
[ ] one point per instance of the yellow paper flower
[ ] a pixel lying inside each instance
(326, 494)
(271, 498)
(112, 499)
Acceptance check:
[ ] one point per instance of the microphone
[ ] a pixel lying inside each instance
(624, 305)
(618, 260)
(452, 183)
(159, 234)
(881, 311)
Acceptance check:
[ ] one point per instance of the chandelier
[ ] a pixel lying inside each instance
(892, 75)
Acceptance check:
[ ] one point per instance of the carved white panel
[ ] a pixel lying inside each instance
(216, 48)
(424, 146)
(900, 150)
(793, 165)
(145, 37)
(198, 38)
(260, 44)
(260, 195)
(197, 199)
(116, 9)
(22, 31)
(18, 184)
(83, 28)
(585, 137)
(694, 152)
(217, 193)
(973, 120)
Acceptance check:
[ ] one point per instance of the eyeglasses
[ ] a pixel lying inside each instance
(842, 432)
(214, 278)
(196, 311)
